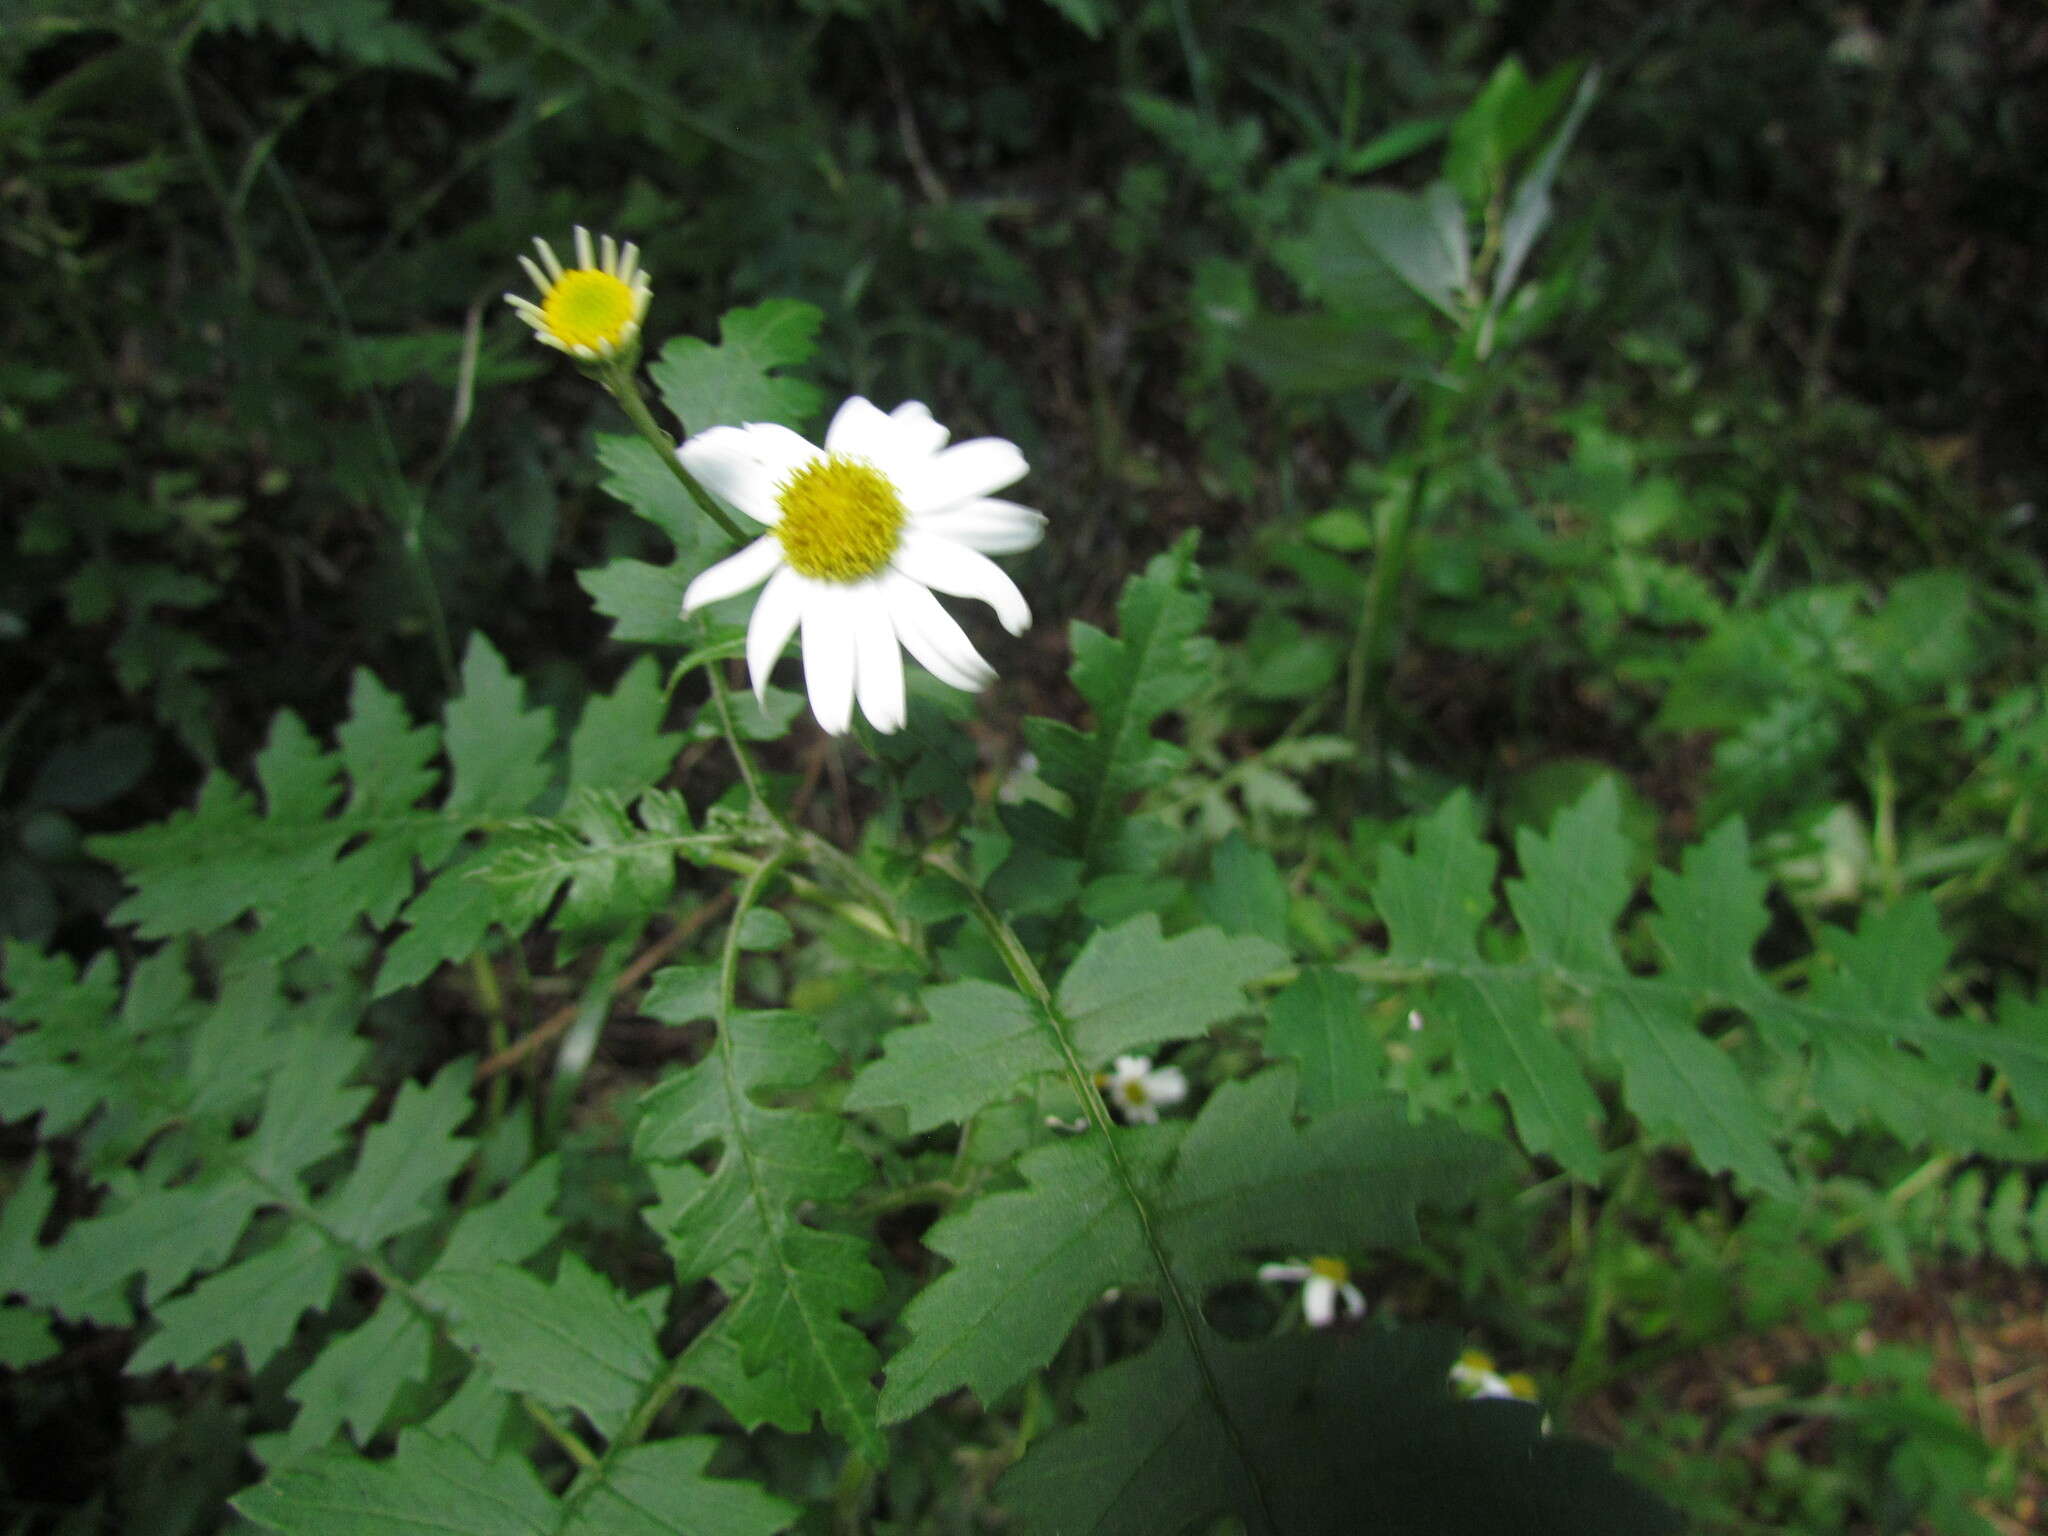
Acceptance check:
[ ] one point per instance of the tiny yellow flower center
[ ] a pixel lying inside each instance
(588, 308)
(1522, 1386)
(1336, 1271)
(841, 519)
(1476, 1361)
(1133, 1090)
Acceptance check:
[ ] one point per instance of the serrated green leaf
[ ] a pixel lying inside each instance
(644, 602)
(1027, 1262)
(496, 745)
(1319, 1023)
(1244, 892)
(256, 1304)
(1158, 661)
(447, 921)
(612, 872)
(1676, 1081)
(713, 1364)
(510, 1228)
(1506, 1046)
(404, 1162)
(1710, 915)
(662, 1490)
(432, 1487)
(25, 1337)
(618, 744)
(982, 1042)
(1131, 987)
(791, 1285)
(389, 760)
(1434, 900)
(357, 1376)
(1575, 883)
(636, 475)
(577, 1341)
(735, 382)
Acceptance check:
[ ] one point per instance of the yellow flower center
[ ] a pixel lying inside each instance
(588, 308)
(841, 519)
(1133, 1090)
(1336, 1271)
(1522, 1386)
(1476, 1360)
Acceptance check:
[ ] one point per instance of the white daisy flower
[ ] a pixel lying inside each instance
(1324, 1284)
(592, 310)
(861, 532)
(1140, 1090)
(1476, 1376)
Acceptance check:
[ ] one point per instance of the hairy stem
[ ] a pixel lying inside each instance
(1026, 974)
(1866, 170)
(624, 387)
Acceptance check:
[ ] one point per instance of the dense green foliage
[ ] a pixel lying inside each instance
(1538, 713)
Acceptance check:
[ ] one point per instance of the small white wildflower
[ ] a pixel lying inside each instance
(1325, 1283)
(1475, 1376)
(1139, 1090)
(861, 532)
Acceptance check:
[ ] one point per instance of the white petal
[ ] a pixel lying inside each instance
(991, 526)
(860, 430)
(734, 575)
(916, 430)
(934, 637)
(1319, 1301)
(979, 467)
(1275, 1272)
(1169, 1085)
(899, 448)
(743, 466)
(878, 663)
(960, 571)
(1140, 1114)
(828, 658)
(777, 612)
(1129, 1068)
(1354, 1300)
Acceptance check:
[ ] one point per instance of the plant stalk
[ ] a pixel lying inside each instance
(624, 387)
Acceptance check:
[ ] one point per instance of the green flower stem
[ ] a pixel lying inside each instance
(640, 1423)
(624, 387)
(1025, 973)
(1390, 559)
(893, 925)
